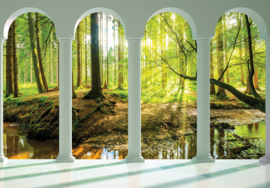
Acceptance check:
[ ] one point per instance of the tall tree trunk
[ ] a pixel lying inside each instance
(251, 62)
(96, 91)
(107, 43)
(79, 81)
(162, 52)
(15, 63)
(212, 86)
(225, 49)
(256, 76)
(256, 80)
(114, 34)
(74, 96)
(85, 36)
(81, 41)
(44, 81)
(57, 66)
(25, 72)
(119, 57)
(220, 58)
(90, 61)
(31, 68)
(248, 90)
(9, 62)
(40, 85)
(240, 50)
(122, 55)
(51, 59)
(101, 61)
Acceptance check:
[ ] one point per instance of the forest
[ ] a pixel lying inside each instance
(100, 88)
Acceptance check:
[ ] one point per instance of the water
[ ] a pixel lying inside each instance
(17, 146)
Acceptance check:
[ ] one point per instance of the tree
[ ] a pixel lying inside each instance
(114, 55)
(240, 50)
(119, 57)
(106, 83)
(44, 81)
(212, 86)
(9, 62)
(107, 46)
(220, 58)
(256, 102)
(79, 76)
(250, 62)
(15, 62)
(74, 96)
(96, 91)
(225, 47)
(85, 38)
(40, 85)
(101, 46)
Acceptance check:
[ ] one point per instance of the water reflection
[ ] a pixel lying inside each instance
(17, 146)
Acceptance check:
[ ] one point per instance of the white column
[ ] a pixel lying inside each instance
(266, 158)
(2, 156)
(65, 100)
(134, 100)
(203, 101)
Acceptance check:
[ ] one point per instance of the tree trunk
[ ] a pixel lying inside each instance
(25, 72)
(240, 51)
(51, 60)
(114, 34)
(251, 62)
(9, 63)
(57, 66)
(225, 49)
(122, 55)
(79, 76)
(96, 91)
(90, 60)
(119, 57)
(40, 85)
(31, 68)
(105, 86)
(256, 80)
(101, 52)
(107, 41)
(15, 68)
(220, 58)
(74, 96)
(248, 91)
(85, 36)
(162, 53)
(212, 86)
(44, 81)
(256, 76)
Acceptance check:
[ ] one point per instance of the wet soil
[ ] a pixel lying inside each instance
(162, 125)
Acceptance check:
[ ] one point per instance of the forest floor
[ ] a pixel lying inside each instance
(105, 123)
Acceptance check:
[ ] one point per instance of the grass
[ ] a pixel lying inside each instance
(30, 89)
(171, 93)
(123, 94)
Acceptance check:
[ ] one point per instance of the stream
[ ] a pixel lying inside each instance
(17, 146)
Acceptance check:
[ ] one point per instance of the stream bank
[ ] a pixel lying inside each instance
(103, 127)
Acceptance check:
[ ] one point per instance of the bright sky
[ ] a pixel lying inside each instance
(110, 35)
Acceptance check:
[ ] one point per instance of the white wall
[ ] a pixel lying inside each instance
(202, 15)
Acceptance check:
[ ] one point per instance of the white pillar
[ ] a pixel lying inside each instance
(266, 158)
(65, 100)
(203, 101)
(134, 100)
(2, 156)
